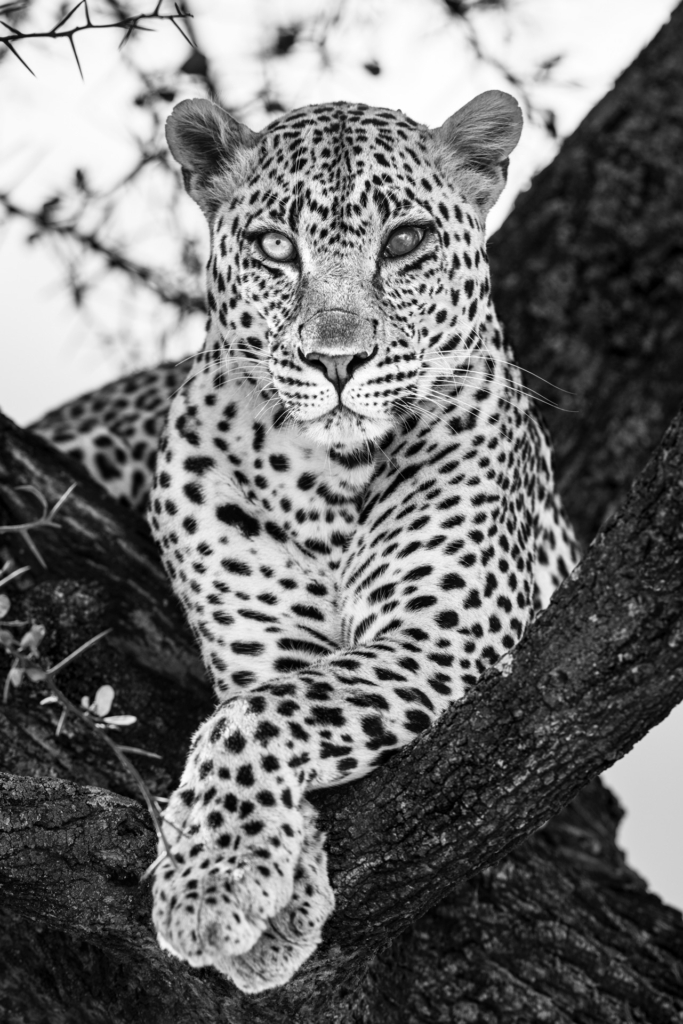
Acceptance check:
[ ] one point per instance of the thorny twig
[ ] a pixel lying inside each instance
(130, 24)
(118, 751)
(46, 519)
(26, 660)
(115, 259)
(84, 241)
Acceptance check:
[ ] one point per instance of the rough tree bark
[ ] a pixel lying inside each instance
(588, 277)
(444, 913)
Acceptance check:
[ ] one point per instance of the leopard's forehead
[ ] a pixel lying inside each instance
(343, 151)
(343, 124)
(339, 141)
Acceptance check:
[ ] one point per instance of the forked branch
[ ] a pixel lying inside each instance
(600, 668)
(129, 24)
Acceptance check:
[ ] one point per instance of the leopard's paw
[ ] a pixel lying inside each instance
(246, 869)
(295, 932)
(216, 892)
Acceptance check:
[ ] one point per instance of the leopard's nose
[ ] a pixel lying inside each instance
(337, 368)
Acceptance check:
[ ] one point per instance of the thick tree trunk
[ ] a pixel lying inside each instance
(442, 914)
(588, 278)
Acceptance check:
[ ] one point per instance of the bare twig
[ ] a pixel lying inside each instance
(46, 519)
(115, 259)
(118, 751)
(129, 23)
(26, 661)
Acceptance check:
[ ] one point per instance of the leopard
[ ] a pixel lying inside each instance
(352, 491)
(113, 431)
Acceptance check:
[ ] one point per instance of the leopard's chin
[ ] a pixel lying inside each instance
(347, 431)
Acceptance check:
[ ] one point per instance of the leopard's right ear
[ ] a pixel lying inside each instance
(475, 143)
(211, 147)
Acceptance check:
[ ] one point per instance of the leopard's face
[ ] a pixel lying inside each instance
(347, 279)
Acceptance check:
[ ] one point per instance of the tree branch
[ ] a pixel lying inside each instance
(559, 928)
(44, 222)
(102, 573)
(129, 24)
(587, 278)
(599, 669)
(590, 678)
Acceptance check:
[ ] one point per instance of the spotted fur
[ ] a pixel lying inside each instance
(114, 431)
(354, 498)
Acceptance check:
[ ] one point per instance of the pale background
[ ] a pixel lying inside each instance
(54, 122)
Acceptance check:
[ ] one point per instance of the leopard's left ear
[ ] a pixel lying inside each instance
(210, 145)
(475, 143)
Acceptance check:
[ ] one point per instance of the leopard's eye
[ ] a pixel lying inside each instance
(403, 241)
(277, 247)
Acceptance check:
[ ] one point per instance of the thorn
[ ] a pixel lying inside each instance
(12, 50)
(75, 53)
(153, 866)
(142, 753)
(173, 21)
(67, 16)
(60, 723)
(15, 30)
(31, 544)
(79, 650)
(13, 575)
(38, 495)
(60, 501)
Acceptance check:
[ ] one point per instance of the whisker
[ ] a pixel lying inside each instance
(488, 380)
(456, 403)
(509, 362)
(494, 356)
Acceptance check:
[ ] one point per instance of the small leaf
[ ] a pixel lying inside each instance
(550, 122)
(104, 698)
(119, 721)
(32, 639)
(287, 36)
(36, 674)
(5, 605)
(195, 65)
(50, 699)
(15, 675)
(7, 640)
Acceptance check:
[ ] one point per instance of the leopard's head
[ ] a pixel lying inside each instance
(348, 268)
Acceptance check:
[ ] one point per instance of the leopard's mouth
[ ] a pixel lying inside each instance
(341, 413)
(345, 430)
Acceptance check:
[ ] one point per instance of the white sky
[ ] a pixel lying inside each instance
(54, 122)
